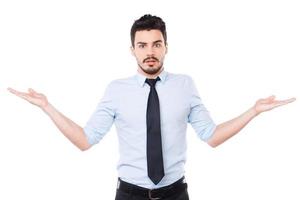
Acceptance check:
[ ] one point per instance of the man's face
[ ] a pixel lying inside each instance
(149, 50)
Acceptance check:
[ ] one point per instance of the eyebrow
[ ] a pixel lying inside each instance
(141, 43)
(157, 41)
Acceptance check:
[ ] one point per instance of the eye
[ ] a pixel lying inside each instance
(158, 45)
(141, 46)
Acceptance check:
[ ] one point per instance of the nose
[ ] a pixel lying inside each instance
(150, 51)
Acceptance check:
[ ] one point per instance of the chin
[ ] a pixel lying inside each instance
(150, 69)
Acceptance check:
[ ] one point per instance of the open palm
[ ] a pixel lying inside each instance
(269, 103)
(32, 96)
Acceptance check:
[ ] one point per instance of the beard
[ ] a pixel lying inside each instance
(150, 69)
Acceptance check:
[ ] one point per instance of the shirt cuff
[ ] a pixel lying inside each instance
(208, 132)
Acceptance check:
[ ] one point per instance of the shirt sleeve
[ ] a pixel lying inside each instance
(199, 116)
(102, 119)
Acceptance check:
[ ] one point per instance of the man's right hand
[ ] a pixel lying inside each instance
(32, 97)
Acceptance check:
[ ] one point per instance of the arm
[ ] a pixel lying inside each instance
(228, 129)
(69, 128)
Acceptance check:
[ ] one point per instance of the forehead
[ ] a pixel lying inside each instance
(148, 36)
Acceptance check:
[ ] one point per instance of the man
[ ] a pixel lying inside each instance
(150, 110)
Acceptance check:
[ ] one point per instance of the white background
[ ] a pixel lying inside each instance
(236, 52)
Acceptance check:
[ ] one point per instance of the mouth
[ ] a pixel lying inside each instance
(151, 63)
(150, 60)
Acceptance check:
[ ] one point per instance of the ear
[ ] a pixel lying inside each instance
(166, 48)
(132, 51)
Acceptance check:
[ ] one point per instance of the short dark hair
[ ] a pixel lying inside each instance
(148, 22)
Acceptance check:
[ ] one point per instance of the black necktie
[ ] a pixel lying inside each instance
(154, 146)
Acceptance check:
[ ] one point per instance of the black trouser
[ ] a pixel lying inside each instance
(176, 191)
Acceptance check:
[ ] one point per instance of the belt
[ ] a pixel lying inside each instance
(153, 194)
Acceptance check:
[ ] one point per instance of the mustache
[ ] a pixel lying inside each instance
(150, 58)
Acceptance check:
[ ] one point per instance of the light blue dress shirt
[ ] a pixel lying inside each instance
(125, 103)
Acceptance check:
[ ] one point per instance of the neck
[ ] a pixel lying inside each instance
(151, 76)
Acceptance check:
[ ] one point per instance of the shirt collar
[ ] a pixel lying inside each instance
(141, 78)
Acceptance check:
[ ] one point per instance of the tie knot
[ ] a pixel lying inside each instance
(152, 82)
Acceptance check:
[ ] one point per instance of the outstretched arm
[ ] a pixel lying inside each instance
(228, 129)
(69, 128)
